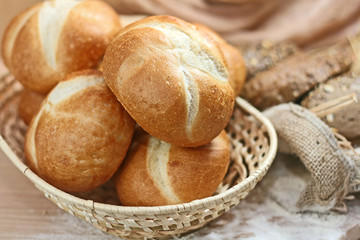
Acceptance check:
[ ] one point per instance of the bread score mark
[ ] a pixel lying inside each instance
(62, 91)
(52, 17)
(190, 52)
(192, 100)
(157, 159)
(12, 38)
(191, 55)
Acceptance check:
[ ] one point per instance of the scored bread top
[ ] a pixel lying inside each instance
(233, 58)
(170, 79)
(158, 173)
(64, 90)
(72, 142)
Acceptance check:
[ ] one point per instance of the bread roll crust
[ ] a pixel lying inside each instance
(134, 185)
(27, 61)
(12, 31)
(72, 142)
(170, 79)
(96, 24)
(29, 105)
(190, 173)
(54, 38)
(233, 58)
(199, 170)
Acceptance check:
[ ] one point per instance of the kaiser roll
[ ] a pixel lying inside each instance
(158, 173)
(29, 104)
(171, 80)
(54, 38)
(234, 59)
(72, 143)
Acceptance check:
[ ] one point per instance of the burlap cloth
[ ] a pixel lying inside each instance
(305, 22)
(332, 162)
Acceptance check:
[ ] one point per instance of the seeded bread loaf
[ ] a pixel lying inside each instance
(347, 119)
(290, 79)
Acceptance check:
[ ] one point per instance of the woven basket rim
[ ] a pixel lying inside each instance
(128, 210)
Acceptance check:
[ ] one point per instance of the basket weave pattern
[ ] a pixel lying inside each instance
(253, 146)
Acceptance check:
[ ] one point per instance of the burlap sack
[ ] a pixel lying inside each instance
(332, 162)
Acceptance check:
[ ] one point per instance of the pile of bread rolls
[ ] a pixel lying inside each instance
(176, 80)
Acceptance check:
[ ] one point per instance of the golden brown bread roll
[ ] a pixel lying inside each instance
(29, 104)
(158, 173)
(171, 80)
(72, 143)
(54, 38)
(234, 59)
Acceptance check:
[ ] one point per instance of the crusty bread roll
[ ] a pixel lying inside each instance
(234, 59)
(54, 38)
(29, 104)
(158, 173)
(80, 135)
(171, 80)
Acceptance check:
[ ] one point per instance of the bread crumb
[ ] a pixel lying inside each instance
(328, 88)
(330, 118)
(266, 44)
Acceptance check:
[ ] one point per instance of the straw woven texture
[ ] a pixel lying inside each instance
(253, 147)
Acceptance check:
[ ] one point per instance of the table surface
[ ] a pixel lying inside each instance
(265, 214)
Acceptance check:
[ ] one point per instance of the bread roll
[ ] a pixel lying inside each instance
(54, 38)
(234, 59)
(29, 104)
(158, 173)
(171, 80)
(80, 135)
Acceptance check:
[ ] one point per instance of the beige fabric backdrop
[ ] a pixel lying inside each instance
(308, 23)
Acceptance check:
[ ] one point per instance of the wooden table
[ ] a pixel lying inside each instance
(265, 214)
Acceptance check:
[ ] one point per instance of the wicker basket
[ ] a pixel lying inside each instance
(253, 145)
